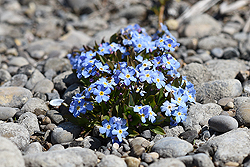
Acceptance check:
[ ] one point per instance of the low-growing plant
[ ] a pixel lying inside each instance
(131, 83)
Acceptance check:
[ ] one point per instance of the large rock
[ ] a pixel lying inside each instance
(201, 26)
(168, 162)
(211, 92)
(75, 156)
(14, 97)
(16, 133)
(233, 146)
(172, 147)
(242, 107)
(10, 155)
(7, 112)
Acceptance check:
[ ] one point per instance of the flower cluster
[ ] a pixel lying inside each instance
(132, 81)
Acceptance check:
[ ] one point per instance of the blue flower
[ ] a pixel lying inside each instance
(120, 133)
(108, 127)
(103, 68)
(180, 99)
(159, 80)
(168, 107)
(145, 65)
(104, 48)
(79, 105)
(138, 108)
(180, 114)
(147, 75)
(152, 115)
(170, 89)
(127, 76)
(101, 93)
(145, 112)
(105, 83)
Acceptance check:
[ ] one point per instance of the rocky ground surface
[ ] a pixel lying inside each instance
(35, 37)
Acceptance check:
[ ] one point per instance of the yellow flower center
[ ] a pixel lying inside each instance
(158, 80)
(78, 107)
(108, 127)
(91, 54)
(179, 99)
(127, 76)
(102, 49)
(89, 89)
(150, 113)
(143, 115)
(169, 107)
(140, 107)
(101, 68)
(105, 83)
(120, 131)
(169, 45)
(101, 93)
(179, 113)
(161, 40)
(168, 62)
(147, 75)
(139, 45)
(145, 65)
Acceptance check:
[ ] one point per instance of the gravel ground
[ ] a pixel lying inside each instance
(36, 36)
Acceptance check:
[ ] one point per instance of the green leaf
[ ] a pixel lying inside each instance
(132, 133)
(160, 95)
(158, 130)
(111, 65)
(131, 100)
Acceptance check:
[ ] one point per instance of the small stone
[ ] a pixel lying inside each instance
(147, 158)
(50, 127)
(230, 52)
(172, 147)
(46, 120)
(7, 112)
(116, 146)
(201, 160)
(55, 116)
(33, 148)
(56, 147)
(137, 145)
(112, 161)
(18, 80)
(4, 76)
(18, 61)
(36, 106)
(65, 132)
(10, 155)
(35, 77)
(172, 24)
(30, 122)
(223, 102)
(168, 162)
(132, 162)
(217, 52)
(229, 105)
(210, 42)
(14, 97)
(146, 134)
(189, 135)
(222, 123)
(43, 86)
(16, 133)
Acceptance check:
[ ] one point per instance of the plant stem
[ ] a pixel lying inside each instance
(161, 14)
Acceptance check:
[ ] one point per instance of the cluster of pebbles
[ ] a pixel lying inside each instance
(35, 37)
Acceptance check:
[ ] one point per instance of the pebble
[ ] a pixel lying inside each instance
(112, 161)
(35, 77)
(138, 145)
(43, 86)
(29, 121)
(6, 113)
(33, 148)
(10, 155)
(243, 113)
(210, 42)
(4, 76)
(16, 133)
(36, 106)
(173, 131)
(172, 147)
(18, 80)
(168, 162)
(56, 147)
(217, 52)
(55, 116)
(214, 90)
(222, 123)
(132, 161)
(76, 156)
(14, 97)
(201, 160)
(230, 52)
(18, 61)
(65, 132)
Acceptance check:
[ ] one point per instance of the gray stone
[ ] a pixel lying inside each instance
(81, 6)
(242, 108)
(71, 91)
(214, 90)
(201, 160)
(50, 74)
(44, 86)
(6, 113)
(56, 147)
(112, 161)
(146, 134)
(201, 26)
(138, 145)
(29, 121)
(199, 114)
(26, 69)
(224, 69)
(34, 79)
(55, 116)
(33, 148)
(196, 73)
(134, 11)
(172, 147)
(14, 97)
(132, 161)
(10, 155)
(217, 52)
(226, 145)
(230, 52)
(193, 59)
(68, 157)
(231, 28)
(65, 132)
(168, 162)
(241, 36)
(223, 102)
(59, 65)
(16, 133)
(74, 38)
(91, 143)
(4, 76)
(18, 61)
(35, 104)
(208, 43)
(222, 123)
(173, 131)
(18, 80)
(63, 80)
(190, 43)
